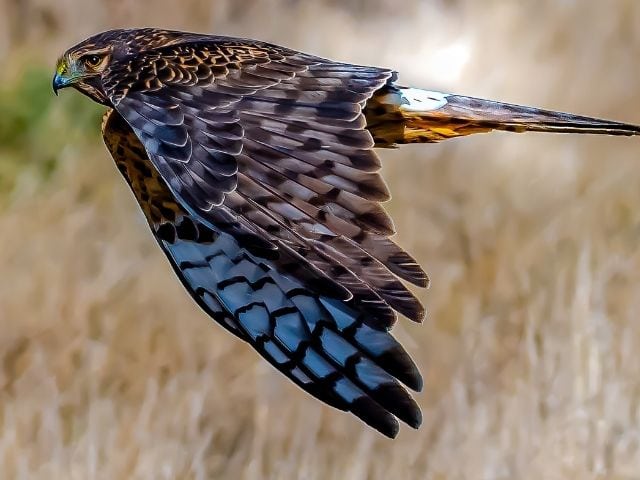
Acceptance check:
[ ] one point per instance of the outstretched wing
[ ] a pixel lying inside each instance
(284, 306)
(270, 146)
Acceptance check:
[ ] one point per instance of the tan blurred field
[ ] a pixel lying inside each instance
(530, 352)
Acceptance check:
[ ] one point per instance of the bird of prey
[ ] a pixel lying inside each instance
(255, 167)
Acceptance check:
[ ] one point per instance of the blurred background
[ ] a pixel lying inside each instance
(530, 351)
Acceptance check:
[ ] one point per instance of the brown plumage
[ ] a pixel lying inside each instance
(254, 165)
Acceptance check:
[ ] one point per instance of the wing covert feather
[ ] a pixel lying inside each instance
(273, 143)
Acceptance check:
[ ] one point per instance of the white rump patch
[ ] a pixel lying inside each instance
(416, 100)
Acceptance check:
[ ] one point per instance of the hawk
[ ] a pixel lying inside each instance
(254, 165)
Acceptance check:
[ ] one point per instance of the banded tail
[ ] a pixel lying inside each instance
(398, 115)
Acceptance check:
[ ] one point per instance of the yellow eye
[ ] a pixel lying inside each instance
(92, 61)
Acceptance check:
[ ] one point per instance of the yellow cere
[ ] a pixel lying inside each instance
(61, 67)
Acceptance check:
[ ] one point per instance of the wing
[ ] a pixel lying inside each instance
(269, 145)
(321, 342)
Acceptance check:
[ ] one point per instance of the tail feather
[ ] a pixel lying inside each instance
(397, 115)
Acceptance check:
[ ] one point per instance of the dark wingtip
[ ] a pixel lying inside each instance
(411, 308)
(407, 268)
(418, 420)
(375, 416)
(389, 355)
(398, 401)
(414, 380)
(399, 364)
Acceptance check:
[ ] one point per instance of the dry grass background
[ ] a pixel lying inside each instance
(530, 351)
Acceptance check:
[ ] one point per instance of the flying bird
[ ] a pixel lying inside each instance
(255, 167)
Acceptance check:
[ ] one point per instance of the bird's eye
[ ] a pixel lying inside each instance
(92, 61)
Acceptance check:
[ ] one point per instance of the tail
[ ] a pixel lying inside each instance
(398, 115)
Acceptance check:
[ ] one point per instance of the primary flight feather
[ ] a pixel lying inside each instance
(254, 166)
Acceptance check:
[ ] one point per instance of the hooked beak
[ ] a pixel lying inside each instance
(58, 83)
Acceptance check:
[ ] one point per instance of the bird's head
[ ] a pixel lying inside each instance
(83, 66)
(87, 65)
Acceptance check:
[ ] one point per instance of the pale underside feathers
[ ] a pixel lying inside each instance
(254, 166)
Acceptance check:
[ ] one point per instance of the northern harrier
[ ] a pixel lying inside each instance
(255, 167)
